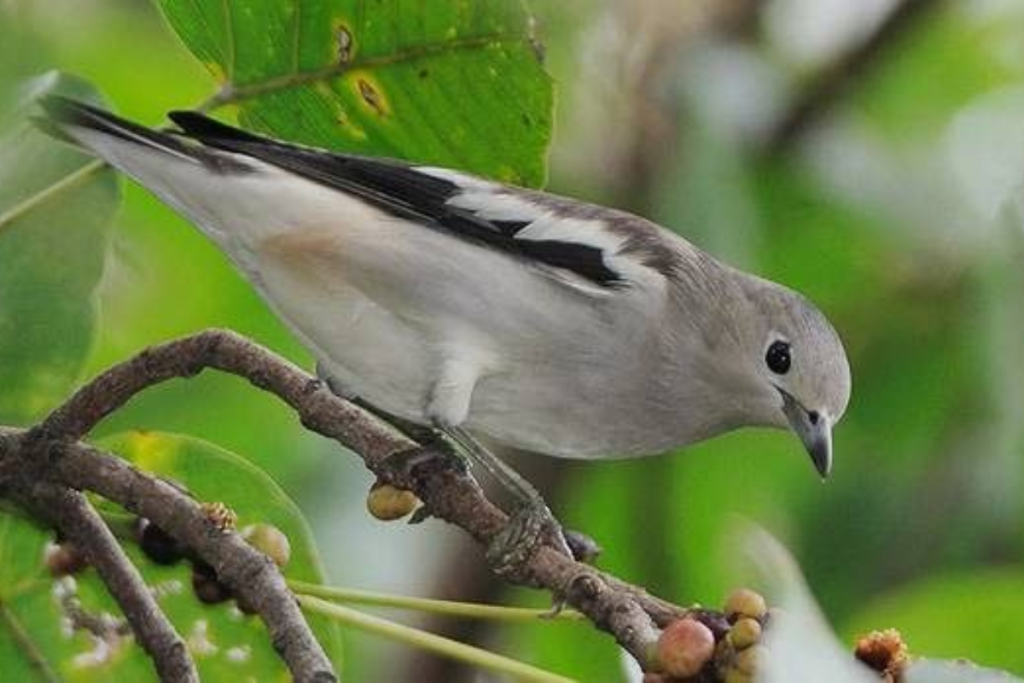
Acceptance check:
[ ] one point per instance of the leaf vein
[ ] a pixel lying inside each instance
(236, 93)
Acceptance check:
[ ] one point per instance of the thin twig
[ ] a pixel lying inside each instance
(248, 573)
(71, 513)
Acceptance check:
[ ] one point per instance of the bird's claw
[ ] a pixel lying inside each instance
(414, 462)
(531, 526)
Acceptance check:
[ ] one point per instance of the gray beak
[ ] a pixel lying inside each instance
(814, 430)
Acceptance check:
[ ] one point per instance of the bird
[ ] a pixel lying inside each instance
(486, 310)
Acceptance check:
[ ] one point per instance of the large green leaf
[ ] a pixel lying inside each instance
(449, 82)
(225, 643)
(53, 240)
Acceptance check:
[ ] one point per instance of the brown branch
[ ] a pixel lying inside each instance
(70, 512)
(830, 86)
(627, 612)
(248, 573)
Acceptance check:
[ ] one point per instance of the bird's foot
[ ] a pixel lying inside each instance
(410, 465)
(416, 462)
(529, 527)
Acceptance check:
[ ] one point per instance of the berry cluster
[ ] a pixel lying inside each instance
(62, 558)
(266, 538)
(694, 650)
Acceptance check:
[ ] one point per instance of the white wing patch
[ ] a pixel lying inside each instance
(545, 223)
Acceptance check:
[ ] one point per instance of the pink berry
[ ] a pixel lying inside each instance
(684, 647)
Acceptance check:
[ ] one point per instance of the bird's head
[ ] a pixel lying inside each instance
(796, 370)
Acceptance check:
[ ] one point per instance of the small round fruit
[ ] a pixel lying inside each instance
(206, 586)
(751, 660)
(684, 647)
(737, 676)
(388, 503)
(270, 541)
(64, 559)
(745, 632)
(744, 602)
(156, 543)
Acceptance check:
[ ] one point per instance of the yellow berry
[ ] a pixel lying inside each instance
(270, 541)
(387, 503)
(745, 632)
(751, 660)
(737, 676)
(744, 602)
(684, 647)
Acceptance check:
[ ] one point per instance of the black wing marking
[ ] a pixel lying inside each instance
(403, 191)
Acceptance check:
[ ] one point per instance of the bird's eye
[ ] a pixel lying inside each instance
(777, 358)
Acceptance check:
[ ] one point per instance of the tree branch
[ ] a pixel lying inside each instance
(247, 572)
(631, 615)
(71, 513)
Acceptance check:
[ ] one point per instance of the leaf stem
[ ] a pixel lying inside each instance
(429, 641)
(68, 182)
(449, 607)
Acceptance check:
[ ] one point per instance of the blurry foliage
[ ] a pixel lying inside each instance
(52, 257)
(927, 491)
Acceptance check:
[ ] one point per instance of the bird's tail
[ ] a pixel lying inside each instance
(185, 174)
(103, 133)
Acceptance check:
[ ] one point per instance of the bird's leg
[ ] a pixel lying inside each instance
(434, 446)
(530, 523)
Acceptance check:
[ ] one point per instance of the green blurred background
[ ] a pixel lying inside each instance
(880, 173)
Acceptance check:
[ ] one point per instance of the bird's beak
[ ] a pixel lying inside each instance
(814, 430)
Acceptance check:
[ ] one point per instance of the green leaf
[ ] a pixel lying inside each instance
(55, 212)
(225, 643)
(459, 85)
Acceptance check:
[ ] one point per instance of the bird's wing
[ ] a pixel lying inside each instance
(579, 243)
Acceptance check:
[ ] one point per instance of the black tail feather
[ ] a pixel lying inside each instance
(207, 130)
(66, 113)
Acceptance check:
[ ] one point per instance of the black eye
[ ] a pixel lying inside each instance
(777, 358)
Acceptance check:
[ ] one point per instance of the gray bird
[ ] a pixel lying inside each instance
(541, 322)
